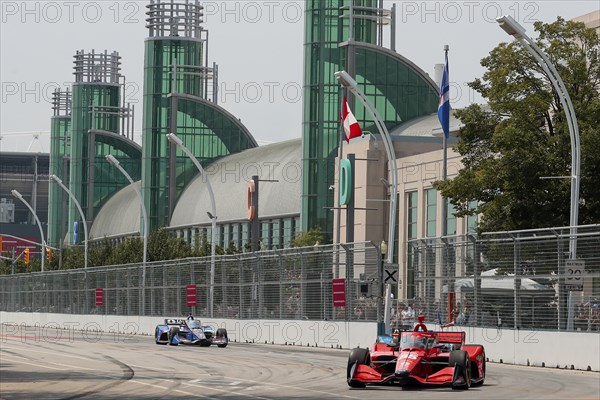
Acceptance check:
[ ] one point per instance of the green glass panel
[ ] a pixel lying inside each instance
(205, 129)
(398, 93)
(160, 55)
(59, 154)
(87, 97)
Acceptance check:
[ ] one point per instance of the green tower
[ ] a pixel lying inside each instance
(59, 165)
(180, 97)
(100, 124)
(349, 35)
(96, 85)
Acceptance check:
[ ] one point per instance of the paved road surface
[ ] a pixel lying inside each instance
(64, 365)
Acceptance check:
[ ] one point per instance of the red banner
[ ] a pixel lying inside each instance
(190, 296)
(99, 297)
(339, 292)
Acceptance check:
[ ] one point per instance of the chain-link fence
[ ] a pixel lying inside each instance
(525, 280)
(282, 284)
(520, 279)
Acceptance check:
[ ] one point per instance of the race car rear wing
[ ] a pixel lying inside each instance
(451, 337)
(174, 321)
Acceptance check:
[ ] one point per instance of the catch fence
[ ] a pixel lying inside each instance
(523, 280)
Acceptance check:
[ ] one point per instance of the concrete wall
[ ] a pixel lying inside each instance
(535, 348)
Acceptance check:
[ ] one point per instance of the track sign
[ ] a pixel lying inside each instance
(190, 296)
(390, 274)
(574, 273)
(339, 292)
(99, 297)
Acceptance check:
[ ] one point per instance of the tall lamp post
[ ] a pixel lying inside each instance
(113, 161)
(212, 215)
(85, 230)
(37, 220)
(513, 28)
(349, 83)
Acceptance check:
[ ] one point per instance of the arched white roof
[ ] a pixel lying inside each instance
(281, 162)
(119, 216)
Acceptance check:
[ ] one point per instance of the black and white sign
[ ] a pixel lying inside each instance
(574, 273)
(390, 274)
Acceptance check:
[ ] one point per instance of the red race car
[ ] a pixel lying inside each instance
(420, 357)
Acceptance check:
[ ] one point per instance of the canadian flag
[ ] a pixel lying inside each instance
(351, 127)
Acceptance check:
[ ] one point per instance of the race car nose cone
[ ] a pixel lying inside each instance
(402, 373)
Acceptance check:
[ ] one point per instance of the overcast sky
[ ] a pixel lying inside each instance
(257, 44)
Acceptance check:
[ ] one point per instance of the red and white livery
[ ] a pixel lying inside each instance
(420, 357)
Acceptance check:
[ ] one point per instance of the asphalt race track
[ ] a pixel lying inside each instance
(66, 365)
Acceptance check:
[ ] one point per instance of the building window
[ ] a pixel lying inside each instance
(246, 236)
(412, 215)
(277, 236)
(412, 208)
(451, 218)
(288, 232)
(431, 215)
(472, 219)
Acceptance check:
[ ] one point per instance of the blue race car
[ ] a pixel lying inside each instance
(189, 331)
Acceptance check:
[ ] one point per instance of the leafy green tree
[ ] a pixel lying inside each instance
(164, 246)
(310, 238)
(129, 252)
(524, 136)
(73, 257)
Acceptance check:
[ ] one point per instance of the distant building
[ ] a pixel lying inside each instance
(591, 20)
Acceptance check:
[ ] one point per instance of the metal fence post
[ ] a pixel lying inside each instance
(517, 281)
(241, 288)
(349, 281)
(281, 279)
(302, 284)
(476, 278)
(560, 282)
(260, 286)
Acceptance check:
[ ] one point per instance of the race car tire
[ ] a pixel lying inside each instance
(459, 359)
(174, 330)
(480, 382)
(157, 337)
(357, 356)
(222, 333)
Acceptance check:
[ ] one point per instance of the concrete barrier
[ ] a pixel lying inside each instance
(536, 348)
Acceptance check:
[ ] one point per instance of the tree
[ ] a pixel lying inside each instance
(162, 245)
(524, 136)
(310, 238)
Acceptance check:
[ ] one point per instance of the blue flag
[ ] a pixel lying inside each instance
(444, 106)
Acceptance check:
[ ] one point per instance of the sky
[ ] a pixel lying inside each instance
(258, 46)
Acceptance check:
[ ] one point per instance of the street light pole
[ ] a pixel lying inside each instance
(37, 220)
(513, 28)
(347, 81)
(213, 215)
(113, 161)
(85, 243)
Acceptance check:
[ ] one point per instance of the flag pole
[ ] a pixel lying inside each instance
(449, 282)
(445, 160)
(336, 200)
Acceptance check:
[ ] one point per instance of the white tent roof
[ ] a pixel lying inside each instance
(501, 282)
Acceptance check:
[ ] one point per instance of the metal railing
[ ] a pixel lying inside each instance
(281, 284)
(521, 279)
(518, 280)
